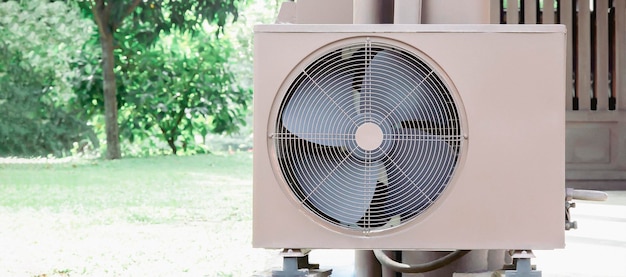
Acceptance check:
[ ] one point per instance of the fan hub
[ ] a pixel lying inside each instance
(369, 136)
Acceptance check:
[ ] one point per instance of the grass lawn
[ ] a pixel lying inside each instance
(157, 216)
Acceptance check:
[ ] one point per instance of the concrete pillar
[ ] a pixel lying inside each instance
(496, 259)
(367, 12)
(324, 11)
(456, 11)
(366, 264)
(407, 12)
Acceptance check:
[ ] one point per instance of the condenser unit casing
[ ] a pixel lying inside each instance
(507, 189)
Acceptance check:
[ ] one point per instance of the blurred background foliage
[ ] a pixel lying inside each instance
(38, 42)
(182, 93)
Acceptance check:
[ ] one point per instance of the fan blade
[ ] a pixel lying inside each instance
(322, 110)
(418, 169)
(340, 188)
(402, 89)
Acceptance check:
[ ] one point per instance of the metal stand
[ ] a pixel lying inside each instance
(569, 224)
(521, 266)
(296, 264)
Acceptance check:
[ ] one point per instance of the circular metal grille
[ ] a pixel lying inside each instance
(367, 136)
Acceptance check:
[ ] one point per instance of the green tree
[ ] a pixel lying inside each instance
(32, 123)
(48, 35)
(38, 41)
(179, 90)
(186, 88)
(149, 18)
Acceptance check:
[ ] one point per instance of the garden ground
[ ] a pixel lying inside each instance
(157, 216)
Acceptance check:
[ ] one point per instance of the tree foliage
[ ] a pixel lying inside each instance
(180, 89)
(185, 90)
(36, 46)
(48, 35)
(32, 122)
(148, 19)
(174, 74)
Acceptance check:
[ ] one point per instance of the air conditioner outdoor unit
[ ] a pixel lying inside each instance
(409, 136)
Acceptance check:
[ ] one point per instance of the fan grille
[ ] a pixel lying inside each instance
(367, 136)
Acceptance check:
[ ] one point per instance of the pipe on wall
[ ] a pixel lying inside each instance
(367, 11)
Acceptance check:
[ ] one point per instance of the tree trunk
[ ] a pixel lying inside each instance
(171, 141)
(172, 145)
(110, 98)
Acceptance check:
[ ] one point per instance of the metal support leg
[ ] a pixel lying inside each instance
(296, 264)
(522, 265)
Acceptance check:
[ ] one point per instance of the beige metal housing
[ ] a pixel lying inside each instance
(507, 192)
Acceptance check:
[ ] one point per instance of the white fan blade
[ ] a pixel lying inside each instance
(339, 187)
(322, 110)
(418, 169)
(400, 90)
